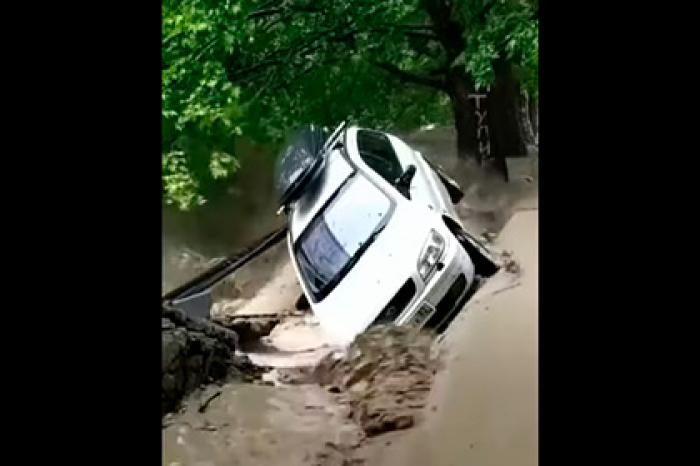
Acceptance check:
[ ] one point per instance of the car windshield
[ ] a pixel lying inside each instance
(339, 235)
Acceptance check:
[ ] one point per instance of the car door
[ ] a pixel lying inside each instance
(377, 152)
(426, 188)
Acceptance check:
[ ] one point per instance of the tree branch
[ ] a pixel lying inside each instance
(422, 35)
(447, 27)
(412, 27)
(267, 9)
(305, 8)
(442, 70)
(405, 76)
(240, 75)
(264, 13)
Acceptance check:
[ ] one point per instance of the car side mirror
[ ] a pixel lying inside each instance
(403, 183)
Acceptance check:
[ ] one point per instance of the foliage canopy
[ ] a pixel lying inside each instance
(259, 67)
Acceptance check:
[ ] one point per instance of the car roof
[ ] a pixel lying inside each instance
(336, 171)
(340, 164)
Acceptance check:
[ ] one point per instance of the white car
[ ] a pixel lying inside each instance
(374, 237)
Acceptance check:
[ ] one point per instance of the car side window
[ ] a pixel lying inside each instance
(377, 152)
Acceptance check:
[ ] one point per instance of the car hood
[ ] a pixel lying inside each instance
(379, 273)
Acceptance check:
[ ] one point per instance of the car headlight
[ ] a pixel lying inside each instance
(431, 253)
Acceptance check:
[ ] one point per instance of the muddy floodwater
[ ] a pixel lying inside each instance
(251, 425)
(484, 408)
(481, 407)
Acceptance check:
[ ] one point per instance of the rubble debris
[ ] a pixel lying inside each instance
(227, 289)
(488, 236)
(383, 379)
(295, 375)
(249, 329)
(334, 454)
(508, 263)
(225, 307)
(179, 318)
(205, 404)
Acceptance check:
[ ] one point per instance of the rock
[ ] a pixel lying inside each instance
(228, 289)
(489, 236)
(195, 362)
(403, 422)
(334, 454)
(196, 352)
(249, 328)
(360, 387)
(508, 263)
(174, 343)
(387, 422)
(361, 371)
(294, 375)
(349, 437)
(512, 267)
(170, 383)
(221, 309)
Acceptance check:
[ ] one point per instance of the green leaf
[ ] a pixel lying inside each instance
(225, 75)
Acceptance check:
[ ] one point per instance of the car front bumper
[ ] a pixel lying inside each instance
(427, 300)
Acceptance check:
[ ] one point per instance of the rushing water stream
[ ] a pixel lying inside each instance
(264, 425)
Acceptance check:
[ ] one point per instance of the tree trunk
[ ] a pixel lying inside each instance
(465, 124)
(527, 132)
(503, 109)
(534, 108)
(464, 110)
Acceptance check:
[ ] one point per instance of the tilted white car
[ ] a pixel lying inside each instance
(374, 237)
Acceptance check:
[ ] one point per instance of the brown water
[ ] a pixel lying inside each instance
(253, 425)
(485, 404)
(483, 409)
(248, 211)
(226, 224)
